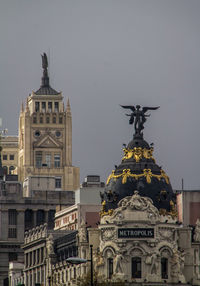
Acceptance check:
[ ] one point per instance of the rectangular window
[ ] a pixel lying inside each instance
(43, 106)
(12, 256)
(136, 267)
(164, 268)
(56, 106)
(48, 120)
(34, 120)
(60, 120)
(12, 157)
(57, 160)
(58, 183)
(5, 157)
(49, 106)
(54, 119)
(38, 159)
(110, 268)
(41, 119)
(12, 217)
(12, 233)
(48, 160)
(37, 106)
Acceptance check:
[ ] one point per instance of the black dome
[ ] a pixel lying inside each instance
(139, 171)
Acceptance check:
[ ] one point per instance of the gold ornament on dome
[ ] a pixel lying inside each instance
(173, 211)
(138, 153)
(103, 210)
(147, 173)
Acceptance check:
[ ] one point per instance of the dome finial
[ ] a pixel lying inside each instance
(138, 117)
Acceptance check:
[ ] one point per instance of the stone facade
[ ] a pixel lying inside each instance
(19, 213)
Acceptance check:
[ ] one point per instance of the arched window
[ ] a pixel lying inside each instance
(136, 267)
(5, 170)
(11, 169)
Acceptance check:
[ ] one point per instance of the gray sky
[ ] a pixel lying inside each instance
(102, 54)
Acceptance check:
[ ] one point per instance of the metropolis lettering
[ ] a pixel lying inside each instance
(135, 232)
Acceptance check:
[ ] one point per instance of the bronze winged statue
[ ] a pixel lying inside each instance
(138, 116)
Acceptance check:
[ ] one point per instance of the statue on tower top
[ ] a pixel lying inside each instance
(138, 116)
(44, 61)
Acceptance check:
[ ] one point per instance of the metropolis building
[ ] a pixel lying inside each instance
(139, 239)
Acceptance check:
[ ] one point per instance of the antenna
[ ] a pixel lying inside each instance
(182, 184)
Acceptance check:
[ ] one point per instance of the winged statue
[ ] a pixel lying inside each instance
(138, 116)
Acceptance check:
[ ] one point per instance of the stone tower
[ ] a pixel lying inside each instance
(45, 136)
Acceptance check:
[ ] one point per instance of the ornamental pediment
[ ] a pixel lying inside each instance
(133, 208)
(47, 142)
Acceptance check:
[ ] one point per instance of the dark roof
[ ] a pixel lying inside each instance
(46, 90)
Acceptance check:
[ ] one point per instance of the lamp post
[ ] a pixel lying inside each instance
(78, 260)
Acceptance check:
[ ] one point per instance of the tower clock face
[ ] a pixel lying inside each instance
(58, 133)
(37, 133)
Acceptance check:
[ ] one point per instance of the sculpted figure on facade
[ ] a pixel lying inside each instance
(50, 247)
(197, 231)
(118, 263)
(177, 265)
(82, 233)
(152, 262)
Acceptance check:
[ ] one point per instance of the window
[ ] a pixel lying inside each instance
(51, 215)
(37, 106)
(12, 233)
(136, 267)
(12, 157)
(41, 119)
(5, 170)
(58, 183)
(110, 268)
(48, 160)
(34, 119)
(38, 159)
(47, 119)
(11, 169)
(43, 106)
(56, 105)
(60, 120)
(54, 119)
(57, 160)
(12, 256)
(40, 217)
(28, 217)
(164, 268)
(5, 157)
(50, 106)
(12, 217)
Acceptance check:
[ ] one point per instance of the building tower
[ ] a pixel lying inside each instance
(45, 136)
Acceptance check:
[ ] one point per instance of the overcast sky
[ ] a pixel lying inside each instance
(105, 53)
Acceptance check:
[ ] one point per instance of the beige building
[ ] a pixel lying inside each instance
(9, 154)
(188, 204)
(86, 209)
(45, 137)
